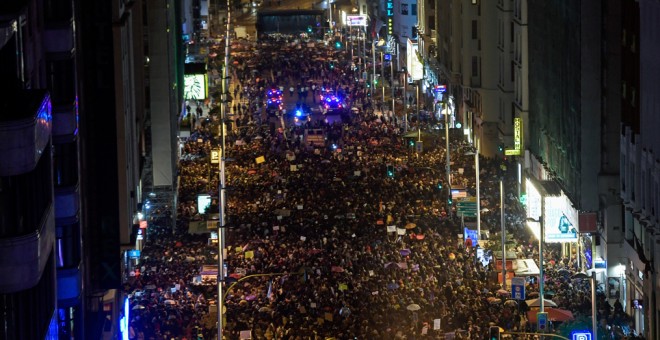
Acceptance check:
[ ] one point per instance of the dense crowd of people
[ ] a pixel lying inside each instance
(355, 253)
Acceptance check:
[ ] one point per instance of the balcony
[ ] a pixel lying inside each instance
(25, 132)
(59, 38)
(65, 121)
(23, 258)
(67, 202)
(69, 285)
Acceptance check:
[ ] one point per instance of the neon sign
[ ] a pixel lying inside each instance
(390, 17)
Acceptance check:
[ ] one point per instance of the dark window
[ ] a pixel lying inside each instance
(404, 9)
(475, 66)
(67, 246)
(413, 9)
(475, 32)
(65, 164)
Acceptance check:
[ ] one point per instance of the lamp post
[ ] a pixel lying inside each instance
(392, 84)
(503, 232)
(224, 107)
(448, 165)
(592, 279)
(382, 71)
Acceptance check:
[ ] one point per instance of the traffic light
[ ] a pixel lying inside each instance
(309, 29)
(494, 333)
(500, 148)
(440, 185)
(390, 171)
(338, 44)
(450, 201)
(332, 65)
(411, 143)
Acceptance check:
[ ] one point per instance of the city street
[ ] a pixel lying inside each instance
(336, 227)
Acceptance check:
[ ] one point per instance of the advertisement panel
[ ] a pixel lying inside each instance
(533, 200)
(415, 67)
(195, 86)
(356, 20)
(559, 220)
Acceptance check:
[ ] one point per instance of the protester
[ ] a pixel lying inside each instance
(354, 253)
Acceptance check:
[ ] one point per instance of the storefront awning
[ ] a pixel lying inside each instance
(526, 267)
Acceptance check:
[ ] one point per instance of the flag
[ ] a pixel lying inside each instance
(260, 159)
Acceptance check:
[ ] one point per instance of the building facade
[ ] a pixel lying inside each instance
(76, 84)
(639, 165)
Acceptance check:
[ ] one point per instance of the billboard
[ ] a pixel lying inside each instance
(356, 20)
(560, 220)
(195, 86)
(533, 200)
(414, 65)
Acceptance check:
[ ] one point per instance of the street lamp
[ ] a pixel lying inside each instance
(224, 108)
(445, 111)
(592, 278)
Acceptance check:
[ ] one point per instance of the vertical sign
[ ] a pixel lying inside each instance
(518, 288)
(517, 133)
(517, 139)
(390, 17)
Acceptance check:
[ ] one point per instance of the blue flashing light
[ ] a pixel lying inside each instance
(334, 146)
(298, 113)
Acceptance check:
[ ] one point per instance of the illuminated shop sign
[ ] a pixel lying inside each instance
(356, 20)
(390, 16)
(517, 139)
(533, 200)
(559, 218)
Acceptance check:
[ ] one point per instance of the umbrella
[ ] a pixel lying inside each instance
(554, 314)
(411, 226)
(503, 292)
(392, 286)
(537, 303)
(250, 297)
(533, 294)
(413, 307)
(170, 302)
(337, 269)
(404, 252)
(136, 307)
(493, 300)
(564, 271)
(265, 310)
(511, 303)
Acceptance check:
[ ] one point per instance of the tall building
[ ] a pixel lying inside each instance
(28, 295)
(639, 164)
(80, 82)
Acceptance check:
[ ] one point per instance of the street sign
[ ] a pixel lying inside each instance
(467, 207)
(467, 213)
(419, 146)
(518, 288)
(215, 156)
(542, 321)
(581, 335)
